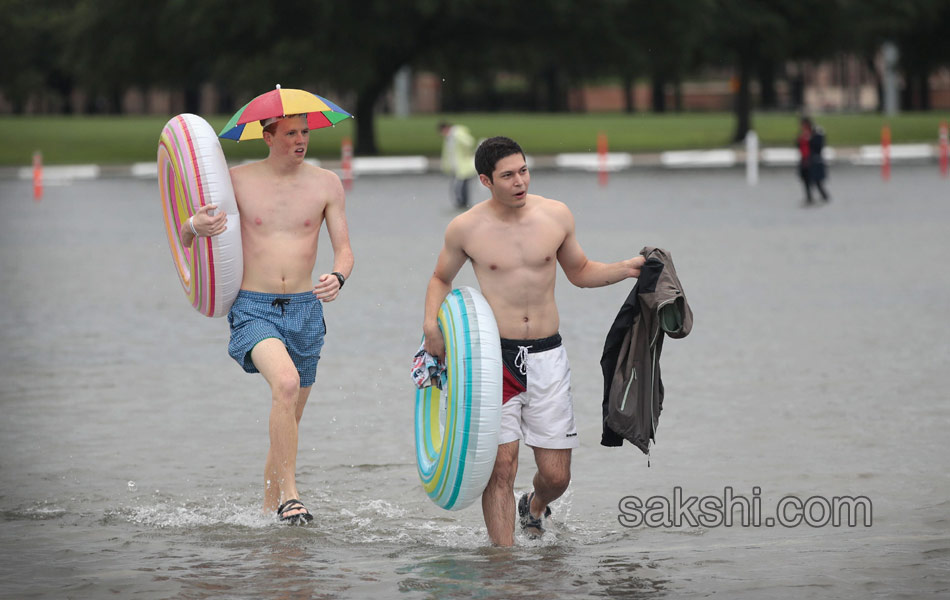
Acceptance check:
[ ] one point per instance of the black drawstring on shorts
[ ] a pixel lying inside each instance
(282, 302)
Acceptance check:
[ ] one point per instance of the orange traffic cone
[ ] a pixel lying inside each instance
(37, 176)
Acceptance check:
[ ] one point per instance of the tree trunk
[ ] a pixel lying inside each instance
(768, 96)
(910, 94)
(924, 87)
(555, 91)
(225, 100)
(490, 99)
(537, 94)
(743, 101)
(549, 77)
(449, 95)
(192, 100)
(916, 92)
(115, 102)
(63, 85)
(878, 82)
(629, 94)
(365, 129)
(659, 93)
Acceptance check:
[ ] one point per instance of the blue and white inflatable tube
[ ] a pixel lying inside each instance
(457, 428)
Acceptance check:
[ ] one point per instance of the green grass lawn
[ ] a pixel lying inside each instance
(127, 139)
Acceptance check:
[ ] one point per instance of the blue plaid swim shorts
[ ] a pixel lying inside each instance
(295, 319)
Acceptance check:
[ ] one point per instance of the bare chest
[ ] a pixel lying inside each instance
(505, 249)
(292, 212)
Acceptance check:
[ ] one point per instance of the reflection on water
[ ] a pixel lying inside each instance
(300, 563)
(548, 572)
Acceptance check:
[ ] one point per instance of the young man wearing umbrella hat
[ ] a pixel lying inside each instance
(277, 323)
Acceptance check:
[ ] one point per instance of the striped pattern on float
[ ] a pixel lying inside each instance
(192, 172)
(455, 452)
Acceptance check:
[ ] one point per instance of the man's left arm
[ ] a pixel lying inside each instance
(583, 272)
(328, 285)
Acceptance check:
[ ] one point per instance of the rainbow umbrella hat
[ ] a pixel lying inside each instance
(246, 123)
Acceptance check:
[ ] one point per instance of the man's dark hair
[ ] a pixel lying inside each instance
(491, 151)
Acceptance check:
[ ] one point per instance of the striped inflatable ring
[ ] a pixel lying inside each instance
(192, 172)
(456, 443)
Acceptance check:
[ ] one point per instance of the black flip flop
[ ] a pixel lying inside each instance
(297, 519)
(530, 523)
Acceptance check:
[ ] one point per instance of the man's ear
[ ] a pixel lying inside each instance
(486, 181)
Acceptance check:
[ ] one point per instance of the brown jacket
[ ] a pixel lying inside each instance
(633, 391)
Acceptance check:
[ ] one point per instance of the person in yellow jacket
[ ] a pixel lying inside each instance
(458, 160)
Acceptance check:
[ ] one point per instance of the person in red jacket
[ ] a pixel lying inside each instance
(811, 165)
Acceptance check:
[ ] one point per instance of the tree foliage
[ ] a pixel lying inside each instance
(478, 47)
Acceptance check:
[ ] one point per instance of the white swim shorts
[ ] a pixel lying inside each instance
(537, 404)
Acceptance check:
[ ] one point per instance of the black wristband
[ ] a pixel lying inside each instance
(340, 277)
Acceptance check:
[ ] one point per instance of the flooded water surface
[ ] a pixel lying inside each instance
(132, 447)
